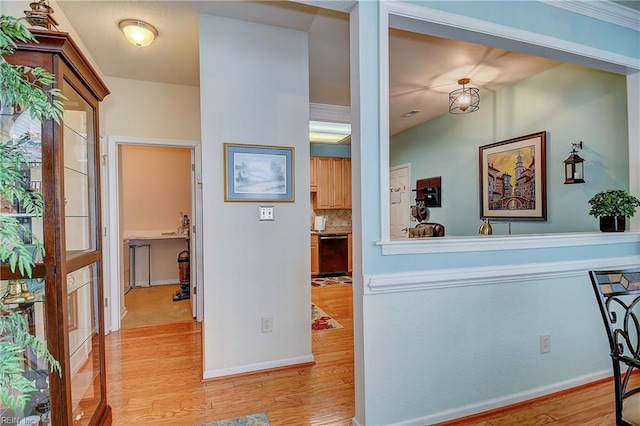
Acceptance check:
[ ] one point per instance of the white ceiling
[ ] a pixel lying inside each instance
(423, 69)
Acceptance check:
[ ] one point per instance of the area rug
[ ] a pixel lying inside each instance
(259, 419)
(331, 281)
(320, 321)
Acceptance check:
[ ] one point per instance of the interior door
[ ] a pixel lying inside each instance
(399, 200)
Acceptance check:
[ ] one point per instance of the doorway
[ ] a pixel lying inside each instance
(154, 241)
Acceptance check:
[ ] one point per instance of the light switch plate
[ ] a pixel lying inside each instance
(266, 212)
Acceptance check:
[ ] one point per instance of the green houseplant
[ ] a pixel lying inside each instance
(612, 207)
(20, 87)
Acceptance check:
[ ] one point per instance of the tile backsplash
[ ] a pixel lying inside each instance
(335, 218)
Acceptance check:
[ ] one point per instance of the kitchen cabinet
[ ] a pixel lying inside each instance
(346, 183)
(313, 173)
(68, 310)
(333, 183)
(315, 259)
(350, 261)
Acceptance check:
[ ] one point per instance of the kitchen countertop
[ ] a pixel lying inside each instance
(337, 230)
(156, 237)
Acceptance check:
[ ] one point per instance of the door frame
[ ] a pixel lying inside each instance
(111, 209)
(407, 167)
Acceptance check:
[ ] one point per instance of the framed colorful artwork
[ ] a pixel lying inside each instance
(513, 178)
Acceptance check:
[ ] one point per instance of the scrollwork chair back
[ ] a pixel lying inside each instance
(618, 295)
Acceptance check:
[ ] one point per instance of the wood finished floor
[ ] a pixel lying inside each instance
(154, 377)
(588, 405)
(154, 305)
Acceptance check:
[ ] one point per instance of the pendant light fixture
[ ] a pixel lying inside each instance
(139, 33)
(465, 100)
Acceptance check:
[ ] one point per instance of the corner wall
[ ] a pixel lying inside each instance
(442, 335)
(254, 90)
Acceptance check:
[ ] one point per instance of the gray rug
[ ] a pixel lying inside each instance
(259, 419)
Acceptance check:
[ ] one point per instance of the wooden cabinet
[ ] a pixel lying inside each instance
(313, 173)
(315, 260)
(68, 310)
(333, 182)
(350, 261)
(346, 183)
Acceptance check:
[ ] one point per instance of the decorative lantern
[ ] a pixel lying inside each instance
(574, 166)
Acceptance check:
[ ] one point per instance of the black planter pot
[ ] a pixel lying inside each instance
(613, 223)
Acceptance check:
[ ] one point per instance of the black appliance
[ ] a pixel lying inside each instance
(334, 254)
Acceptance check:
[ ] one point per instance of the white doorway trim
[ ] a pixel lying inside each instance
(111, 207)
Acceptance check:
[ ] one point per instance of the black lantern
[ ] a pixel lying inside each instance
(574, 166)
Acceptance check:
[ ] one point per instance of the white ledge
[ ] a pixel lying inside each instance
(503, 242)
(435, 279)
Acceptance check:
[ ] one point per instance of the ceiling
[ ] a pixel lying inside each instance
(423, 69)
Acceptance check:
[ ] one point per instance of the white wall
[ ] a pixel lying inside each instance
(254, 90)
(151, 110)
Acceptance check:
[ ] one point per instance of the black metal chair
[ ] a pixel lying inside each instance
(618, 295)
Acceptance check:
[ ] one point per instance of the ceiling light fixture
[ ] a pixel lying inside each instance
(329, 132)
(139, 33)
(465, 100)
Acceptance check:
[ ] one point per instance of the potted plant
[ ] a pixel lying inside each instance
(21, 88)
(613, 206)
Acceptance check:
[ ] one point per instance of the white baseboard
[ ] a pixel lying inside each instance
(165, 282)
(504, 401)
(251, 368)
(156, 282)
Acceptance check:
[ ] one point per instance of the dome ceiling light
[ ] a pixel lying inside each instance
(139, 33)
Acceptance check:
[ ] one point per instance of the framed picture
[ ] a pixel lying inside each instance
(258, 173)
(513, 178)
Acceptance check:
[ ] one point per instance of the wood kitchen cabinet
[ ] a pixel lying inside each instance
(333, 183)
(315, 259)
(346, 184)
(67, 311)
(313, 173)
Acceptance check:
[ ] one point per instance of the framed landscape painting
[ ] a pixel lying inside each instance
(258, 173)
(513, 178)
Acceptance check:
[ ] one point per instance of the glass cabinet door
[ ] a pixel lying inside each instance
(25, 297)
(84, 343)
(81, 245)
(79, 174)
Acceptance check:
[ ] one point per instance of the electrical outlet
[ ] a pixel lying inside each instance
(267, 324)
(545, 343)
(266, 212)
